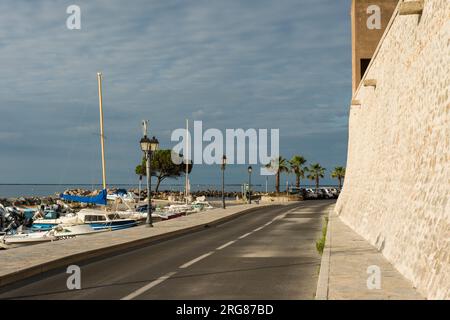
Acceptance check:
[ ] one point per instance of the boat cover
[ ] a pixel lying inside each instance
(98, 199)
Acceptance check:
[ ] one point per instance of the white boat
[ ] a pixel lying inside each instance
(24, 239)
(138, 216)
(123, 195)
(167, 215)
(179, 208)
(69, 231)
(60, 232)
(201, 205)
(97, 219)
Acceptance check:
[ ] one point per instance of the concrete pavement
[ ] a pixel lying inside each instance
(350, 269)
(267, 254)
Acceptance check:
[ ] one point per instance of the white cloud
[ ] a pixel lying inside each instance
(246, 63)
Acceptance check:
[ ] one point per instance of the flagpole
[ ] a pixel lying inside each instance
(187, 162)
(102, 136)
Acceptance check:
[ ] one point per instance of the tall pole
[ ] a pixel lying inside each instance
(139, 188)
(148, 158)
(223, 186)
(186, 187)
(249, 187)
(267, 178)
(287, 184)
(102, 136)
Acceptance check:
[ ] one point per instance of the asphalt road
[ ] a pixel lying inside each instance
(266, 254)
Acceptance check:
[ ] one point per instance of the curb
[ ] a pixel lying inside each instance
(324, 274)
(135, 244)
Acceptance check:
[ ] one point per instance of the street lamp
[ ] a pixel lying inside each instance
(224, 163)
(148, 146)
(250, 184)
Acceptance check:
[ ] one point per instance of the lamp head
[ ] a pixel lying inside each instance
(154, 144)
(145, 144)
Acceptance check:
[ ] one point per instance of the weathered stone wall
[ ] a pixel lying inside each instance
(397, 188)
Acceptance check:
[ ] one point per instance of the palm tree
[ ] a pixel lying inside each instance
(338, 173)
(316, 171)
(296, 164)
(279, 165)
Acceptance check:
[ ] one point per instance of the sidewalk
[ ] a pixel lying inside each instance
(19, 263)
(344, 268)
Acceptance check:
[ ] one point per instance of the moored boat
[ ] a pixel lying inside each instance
(22, 239)
(97, 219)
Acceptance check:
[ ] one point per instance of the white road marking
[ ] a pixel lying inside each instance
(187, 264)
(245, 235)
(279, 217)
(226, 245)
(148, 286)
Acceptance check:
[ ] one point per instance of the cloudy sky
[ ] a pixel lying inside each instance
(232, 64)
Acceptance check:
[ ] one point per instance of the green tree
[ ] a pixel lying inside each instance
(162, 167)
(338, 173)
(315, 172)
(297, 167)
(278, 166)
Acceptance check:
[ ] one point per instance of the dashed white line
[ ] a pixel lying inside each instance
(226, 245)
(278, 218)
(148, 286)
(187, 264)
(245, 235)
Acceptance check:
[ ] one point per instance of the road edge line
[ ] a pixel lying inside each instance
(324, 273)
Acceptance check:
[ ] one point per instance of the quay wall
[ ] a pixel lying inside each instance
(397, 188)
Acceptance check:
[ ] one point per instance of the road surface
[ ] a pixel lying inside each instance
(266, 254)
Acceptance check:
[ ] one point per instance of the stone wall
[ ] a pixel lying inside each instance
(397, 188)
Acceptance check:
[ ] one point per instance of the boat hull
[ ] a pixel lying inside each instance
(106, 225)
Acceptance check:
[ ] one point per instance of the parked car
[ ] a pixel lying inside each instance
(311, 194)
(327, 193)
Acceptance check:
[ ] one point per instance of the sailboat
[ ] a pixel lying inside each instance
(97, 219)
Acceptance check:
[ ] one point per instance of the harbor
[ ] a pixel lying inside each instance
(78, 213)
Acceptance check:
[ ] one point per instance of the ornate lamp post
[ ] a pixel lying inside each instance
(250, 184)
(148, 146)
(224, 163)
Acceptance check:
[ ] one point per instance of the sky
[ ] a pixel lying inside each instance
(263, 64)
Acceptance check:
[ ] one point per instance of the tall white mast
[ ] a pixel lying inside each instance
(102, 136)
(186, 189)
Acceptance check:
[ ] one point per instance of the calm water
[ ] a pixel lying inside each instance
(26, 190)
(17, 190)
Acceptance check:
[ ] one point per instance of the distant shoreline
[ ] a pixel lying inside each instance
(111, 184)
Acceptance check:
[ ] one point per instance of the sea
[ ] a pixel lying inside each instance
(41, 190)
